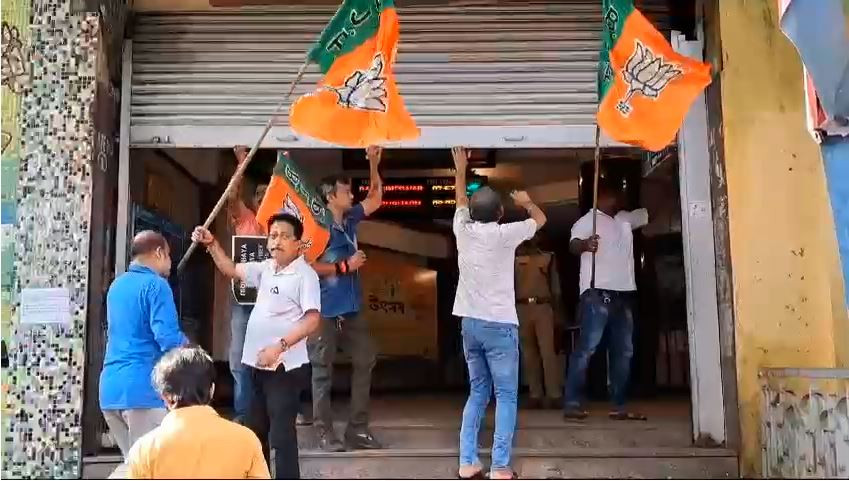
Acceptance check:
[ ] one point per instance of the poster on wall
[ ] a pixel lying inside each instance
(247, 248)
(399, 300)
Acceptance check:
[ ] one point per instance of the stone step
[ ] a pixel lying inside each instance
(646, 463)
(562, 435)
(591, 463)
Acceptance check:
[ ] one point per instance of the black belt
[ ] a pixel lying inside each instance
(534, 300)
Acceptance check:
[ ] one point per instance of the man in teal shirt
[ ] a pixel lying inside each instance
(142, 327)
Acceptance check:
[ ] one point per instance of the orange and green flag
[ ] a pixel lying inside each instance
(645, 88)
(357, 103)
(290, 192)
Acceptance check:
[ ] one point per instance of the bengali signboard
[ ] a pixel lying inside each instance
(247, 248)
(399, 300)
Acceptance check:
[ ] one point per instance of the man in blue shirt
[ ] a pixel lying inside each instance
(142, 327)
(341, 324)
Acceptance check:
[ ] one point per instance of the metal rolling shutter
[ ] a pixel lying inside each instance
(488, 75)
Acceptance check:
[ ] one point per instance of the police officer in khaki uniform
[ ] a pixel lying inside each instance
(537, 302)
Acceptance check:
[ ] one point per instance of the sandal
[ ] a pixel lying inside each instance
(503, 472)
(575, 414)
(626, 416)
(478, 474)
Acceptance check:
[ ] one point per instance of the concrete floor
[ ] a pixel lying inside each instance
(446, 410)
(669, 419)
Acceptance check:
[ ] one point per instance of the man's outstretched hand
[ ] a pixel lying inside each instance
(374, 153)
(461, 158)
(241, 152)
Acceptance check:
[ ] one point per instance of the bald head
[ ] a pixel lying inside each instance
(485, 205)
(146, 242)
(151, 249)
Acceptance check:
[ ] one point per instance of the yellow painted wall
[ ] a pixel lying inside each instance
(788, 292)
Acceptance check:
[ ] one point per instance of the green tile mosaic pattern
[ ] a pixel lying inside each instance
(43, 403)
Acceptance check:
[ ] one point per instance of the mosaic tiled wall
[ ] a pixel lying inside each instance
(15, 80)
(51, 241)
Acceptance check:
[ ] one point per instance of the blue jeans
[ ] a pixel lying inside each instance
(242, 385)
(600, 310)
(492, 355)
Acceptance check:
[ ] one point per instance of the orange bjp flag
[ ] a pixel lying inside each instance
(357, 103)
(288, 192)
(645, 88)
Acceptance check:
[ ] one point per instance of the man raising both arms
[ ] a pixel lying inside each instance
(485, 300)
(341, 324)
(243, 222)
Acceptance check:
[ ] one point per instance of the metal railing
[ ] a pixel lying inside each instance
(805, 423)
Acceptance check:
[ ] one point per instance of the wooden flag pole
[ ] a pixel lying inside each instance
(237, 176)
(596, 169)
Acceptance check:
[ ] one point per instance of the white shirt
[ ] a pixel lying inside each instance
(486, 253)
(614, 262)
(282, 300)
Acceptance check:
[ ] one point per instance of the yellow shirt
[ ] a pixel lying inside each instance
(195, 443)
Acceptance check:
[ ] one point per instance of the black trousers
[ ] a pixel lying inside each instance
(274, 407)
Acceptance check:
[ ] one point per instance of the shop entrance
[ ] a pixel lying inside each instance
(209, 80)
(419, 384)
(408, 284)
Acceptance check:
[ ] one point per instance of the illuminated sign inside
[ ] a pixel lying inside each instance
(431, 197)
(402, 203)
(397, 188)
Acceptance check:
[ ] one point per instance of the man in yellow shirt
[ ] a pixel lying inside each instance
(193, 442)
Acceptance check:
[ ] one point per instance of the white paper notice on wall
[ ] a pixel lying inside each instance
(46, 306)
(699, 209)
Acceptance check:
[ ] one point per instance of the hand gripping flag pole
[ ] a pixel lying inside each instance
(237, 176)
(596, 169)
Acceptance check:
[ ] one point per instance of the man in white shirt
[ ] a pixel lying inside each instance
(285, 314)
(606, 304)
(485, 300)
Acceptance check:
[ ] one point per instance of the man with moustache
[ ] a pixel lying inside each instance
(275, 353)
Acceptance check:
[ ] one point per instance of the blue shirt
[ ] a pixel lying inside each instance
(142, 326)
(341, 294)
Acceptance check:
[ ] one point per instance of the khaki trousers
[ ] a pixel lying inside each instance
(128, 425)
(536, 331)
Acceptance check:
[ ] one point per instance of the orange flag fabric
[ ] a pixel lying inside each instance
(645, 87)
(288, 192)
(357, 103)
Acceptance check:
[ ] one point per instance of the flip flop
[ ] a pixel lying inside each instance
(575, 414)
(626, 416)
(477, 475)
(513, 475)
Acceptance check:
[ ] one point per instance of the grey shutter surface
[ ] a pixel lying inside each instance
(488, 64)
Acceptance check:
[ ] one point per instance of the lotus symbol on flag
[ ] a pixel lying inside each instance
(646, 74)
(365, 90)
(289, 207)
